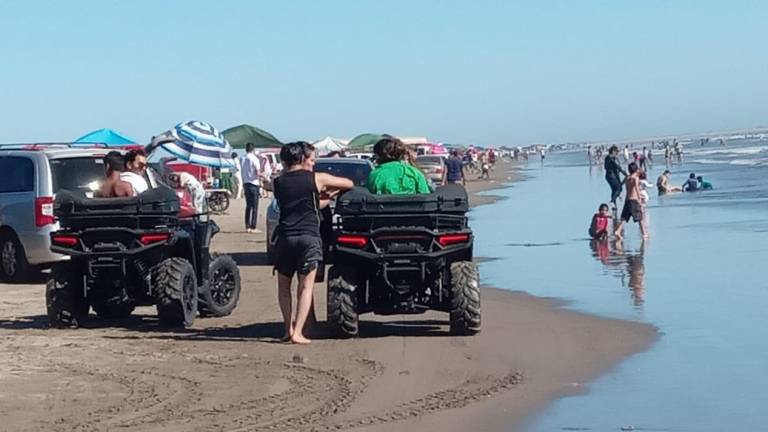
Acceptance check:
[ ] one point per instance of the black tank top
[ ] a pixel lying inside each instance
(297, 197)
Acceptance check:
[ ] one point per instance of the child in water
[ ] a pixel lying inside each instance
(598, 229)
(644, 185)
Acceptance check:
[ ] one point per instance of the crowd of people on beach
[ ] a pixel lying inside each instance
(633, 183)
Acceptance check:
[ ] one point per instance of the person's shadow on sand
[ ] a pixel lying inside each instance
(271, 332)
(268, 332)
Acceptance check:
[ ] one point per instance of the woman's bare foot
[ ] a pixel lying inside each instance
(300, 340)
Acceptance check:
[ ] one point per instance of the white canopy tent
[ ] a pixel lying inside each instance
(328, 144)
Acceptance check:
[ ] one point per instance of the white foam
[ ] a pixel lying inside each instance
(738, 162)
(707, 161)
(730, 151)
(749, 162)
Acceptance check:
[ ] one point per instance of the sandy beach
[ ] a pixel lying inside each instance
(232, 373)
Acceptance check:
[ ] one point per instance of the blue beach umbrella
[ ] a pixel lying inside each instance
(196, 142)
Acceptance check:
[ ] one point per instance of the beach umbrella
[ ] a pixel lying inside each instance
(364, 141)
(196, 142)
(105, 136)
(239, 136)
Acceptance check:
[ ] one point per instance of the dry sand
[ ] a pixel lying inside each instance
(232, 373)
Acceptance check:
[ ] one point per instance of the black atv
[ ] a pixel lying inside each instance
(128, 252)
(403, 254)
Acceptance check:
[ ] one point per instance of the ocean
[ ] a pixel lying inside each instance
(700, 279)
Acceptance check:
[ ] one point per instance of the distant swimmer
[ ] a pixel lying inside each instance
(691, 185)
(626, 153)
(703, 184)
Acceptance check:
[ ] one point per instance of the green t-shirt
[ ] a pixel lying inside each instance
(397, 178)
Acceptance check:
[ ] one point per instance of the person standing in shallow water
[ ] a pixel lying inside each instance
(300, 194)
(613, 171)
(633, 207)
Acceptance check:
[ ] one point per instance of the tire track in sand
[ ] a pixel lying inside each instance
(471, 391)
(152, 396)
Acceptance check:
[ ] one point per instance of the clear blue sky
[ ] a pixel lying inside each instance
(473, 71)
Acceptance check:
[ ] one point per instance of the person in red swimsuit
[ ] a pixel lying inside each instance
(598, 229)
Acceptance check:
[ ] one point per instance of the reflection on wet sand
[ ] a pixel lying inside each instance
(627, 265)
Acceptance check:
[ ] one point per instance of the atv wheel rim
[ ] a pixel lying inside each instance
(222, 286)
(9, 258)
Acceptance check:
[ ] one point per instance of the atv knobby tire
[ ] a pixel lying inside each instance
(465, 298)
(222, 292)
(175, 292)
(64, 297)
(342, 301)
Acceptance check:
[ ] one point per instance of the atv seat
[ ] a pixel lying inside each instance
(443, 210)
(153, 208)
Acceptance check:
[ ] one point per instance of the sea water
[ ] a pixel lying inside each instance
(701, 278)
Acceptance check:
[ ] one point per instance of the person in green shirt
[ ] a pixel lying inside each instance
(393, 175)
(703, 184)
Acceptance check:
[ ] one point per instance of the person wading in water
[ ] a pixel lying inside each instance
(300, 194)
(613, 170)
(633, 208)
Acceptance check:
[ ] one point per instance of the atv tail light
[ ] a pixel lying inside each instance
(64, 240)
(148, 239)
(449, 239)
(352, 240)
(44, 211)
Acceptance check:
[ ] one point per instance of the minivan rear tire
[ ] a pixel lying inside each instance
(14, 266)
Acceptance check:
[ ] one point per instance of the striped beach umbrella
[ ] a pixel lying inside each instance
(199, 143)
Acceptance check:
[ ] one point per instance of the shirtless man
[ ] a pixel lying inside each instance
(662, 183)
(632, 206)
(113, 187)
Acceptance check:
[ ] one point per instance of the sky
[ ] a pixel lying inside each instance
(471, 72)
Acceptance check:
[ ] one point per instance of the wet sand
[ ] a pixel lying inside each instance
(232, 373)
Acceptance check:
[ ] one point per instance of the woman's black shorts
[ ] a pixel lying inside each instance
(298, 254)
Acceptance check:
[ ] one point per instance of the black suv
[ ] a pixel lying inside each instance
(128, 252)
(403, 254)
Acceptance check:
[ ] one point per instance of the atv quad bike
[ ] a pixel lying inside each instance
(128, 252)
(403, 254)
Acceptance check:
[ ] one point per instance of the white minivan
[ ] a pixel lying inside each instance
(30, 176)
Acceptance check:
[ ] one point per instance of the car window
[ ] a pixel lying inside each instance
(18, 174)
(84, 174)
(357, 172)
